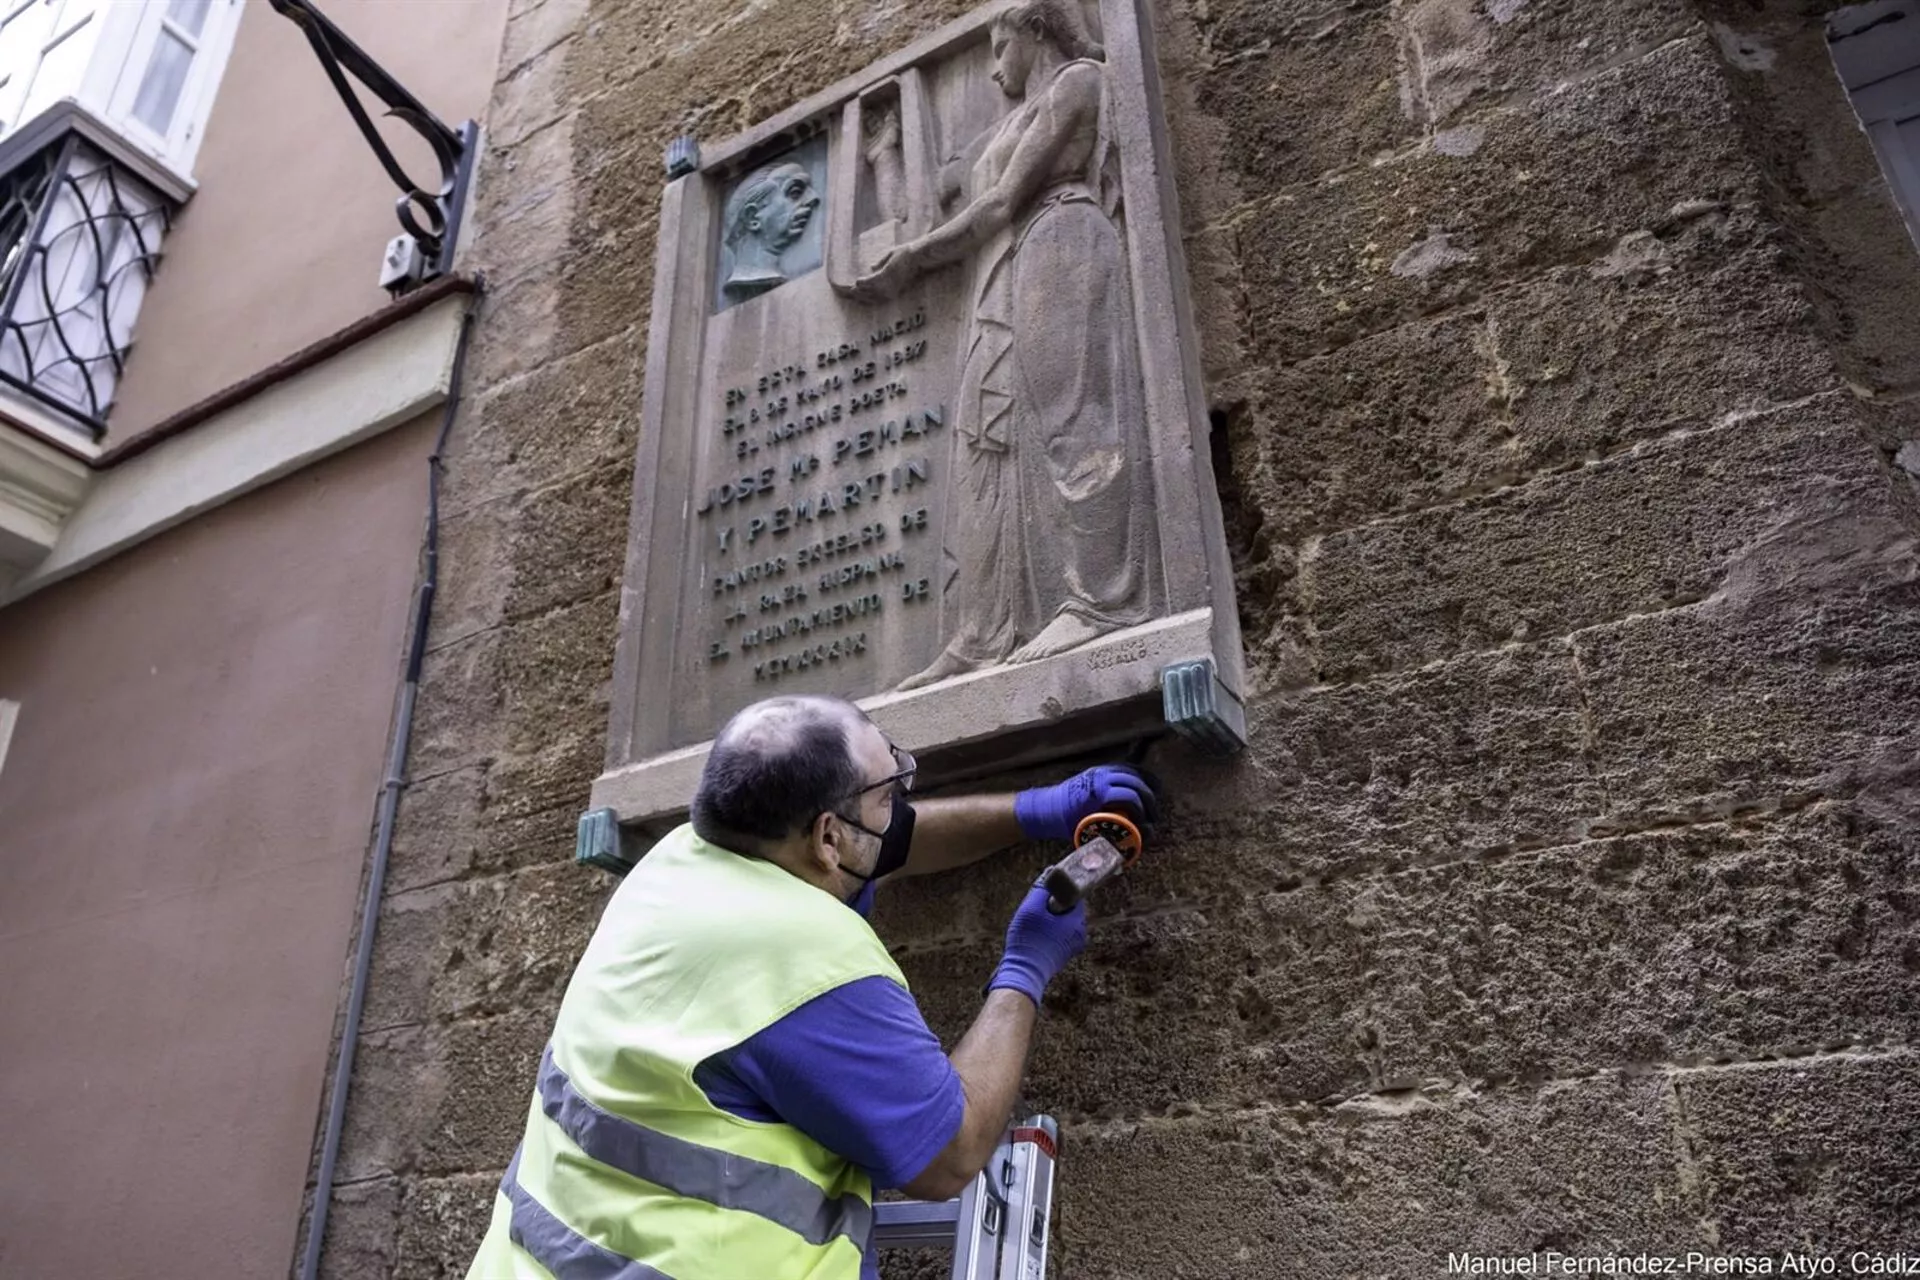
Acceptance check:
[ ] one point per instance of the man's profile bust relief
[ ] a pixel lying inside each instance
(765, 216)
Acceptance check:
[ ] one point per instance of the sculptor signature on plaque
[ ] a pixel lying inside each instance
(767, 214)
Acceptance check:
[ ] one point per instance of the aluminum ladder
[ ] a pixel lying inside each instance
(997, 1228)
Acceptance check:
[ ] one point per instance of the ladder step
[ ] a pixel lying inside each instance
(906, 1224)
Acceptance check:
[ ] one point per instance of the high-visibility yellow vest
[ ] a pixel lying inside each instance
(626, 1171)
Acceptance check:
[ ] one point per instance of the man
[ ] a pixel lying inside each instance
(737, 1062)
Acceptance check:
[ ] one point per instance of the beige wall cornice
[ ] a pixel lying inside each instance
(40, 487)
(392, 376)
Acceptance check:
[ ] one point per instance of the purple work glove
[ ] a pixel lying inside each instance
(1051, 813)
(1039, 944)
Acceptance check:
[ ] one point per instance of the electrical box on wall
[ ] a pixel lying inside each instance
(403, 262)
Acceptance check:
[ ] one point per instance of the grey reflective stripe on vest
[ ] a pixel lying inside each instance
(558, 1247)
(702, 1173)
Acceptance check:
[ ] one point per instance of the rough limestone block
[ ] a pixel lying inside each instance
(515, 688)
(409, 949)
(1664, 524)
(477, 821)
(1277, 66)
(632, 39)
(966, 904)
(1555, 182)
(1790, 97)
(1462, 57)
(1476, 754)
(604, 285)
(1697, 322)
(1853, 248)
(475, 560)
(1809, 1156)
(525, 200)
(1862, 260)
(1381, 1190)
(436, 830)
(510, 842)
(519, 557)
(1692, 945)
(399, 1082)
(569, 541)
(1576, 364)
(568, 416)
(510, 942)
(555, 668)
(532, 31)
(524, 791)
(362, 1231)
(489, 1067)
(1141, 1023)
(532, 94)
(518, 333)
(441, 1222)
(483, 946)
(735, 62)
(455, 720)
(522, 957)
(934, 1264)
(1712, 708)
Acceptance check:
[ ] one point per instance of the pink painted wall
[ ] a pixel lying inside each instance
(185, 813)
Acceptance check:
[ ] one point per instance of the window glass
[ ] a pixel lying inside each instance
(190, 14)
(160, 87)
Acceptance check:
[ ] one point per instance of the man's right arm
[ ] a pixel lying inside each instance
(857, 1069)
(991, 1058)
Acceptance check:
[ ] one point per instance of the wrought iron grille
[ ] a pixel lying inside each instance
(79, 242)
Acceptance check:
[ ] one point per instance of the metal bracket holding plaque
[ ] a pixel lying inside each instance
(923, 438)
(1201, 709)
(599, 842)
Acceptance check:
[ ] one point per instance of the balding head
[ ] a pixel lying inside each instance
(774, 767)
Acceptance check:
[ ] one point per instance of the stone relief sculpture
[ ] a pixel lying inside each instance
(768, 213)
(883, 155)
(1054, 468)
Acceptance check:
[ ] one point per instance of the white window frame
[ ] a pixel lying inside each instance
(120, 77)
(122, 37)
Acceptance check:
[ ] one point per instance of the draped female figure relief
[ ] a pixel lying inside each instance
(1054, 536)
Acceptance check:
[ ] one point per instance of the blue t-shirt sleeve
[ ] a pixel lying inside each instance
(857, 1070)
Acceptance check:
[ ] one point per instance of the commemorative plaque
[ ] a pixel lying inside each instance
(923, 425)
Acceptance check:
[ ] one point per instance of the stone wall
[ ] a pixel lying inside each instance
(1559, 354)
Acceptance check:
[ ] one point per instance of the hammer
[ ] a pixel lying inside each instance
(1105, 844)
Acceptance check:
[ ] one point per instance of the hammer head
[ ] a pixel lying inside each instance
(1080, 872)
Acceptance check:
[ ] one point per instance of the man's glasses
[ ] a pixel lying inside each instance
(905, 766)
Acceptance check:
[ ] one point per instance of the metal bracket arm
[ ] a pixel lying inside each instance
(453, 148)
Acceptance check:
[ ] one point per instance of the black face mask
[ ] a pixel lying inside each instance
(894, 841)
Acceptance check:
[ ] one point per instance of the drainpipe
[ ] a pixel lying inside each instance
(389, 805)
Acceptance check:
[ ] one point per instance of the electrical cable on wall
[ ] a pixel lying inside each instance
(394, 784)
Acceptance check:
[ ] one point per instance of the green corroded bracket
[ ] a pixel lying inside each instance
(598, 842)
(1201, 709)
